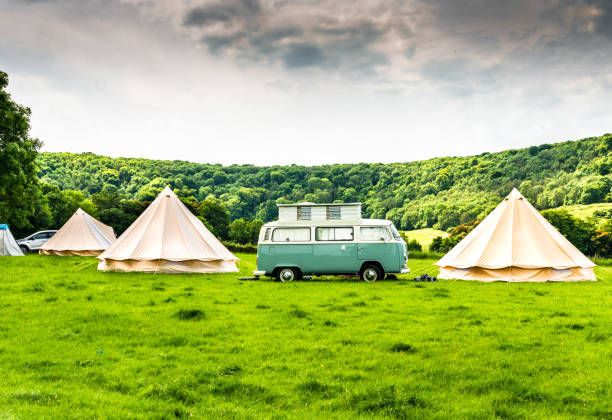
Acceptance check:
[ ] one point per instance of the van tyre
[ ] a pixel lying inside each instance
(287, 274)
(370, 273)
(24, 249)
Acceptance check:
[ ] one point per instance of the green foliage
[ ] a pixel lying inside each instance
(441, 244)
(19, 190)
(438, 193)
(423, 236)
(601, 243)
(245, 231)
(246, 248)
(413, 245)
(579, 232)
(114, 210)
(214, 213)
(144, 345)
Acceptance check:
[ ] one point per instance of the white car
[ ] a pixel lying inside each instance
(35, 240)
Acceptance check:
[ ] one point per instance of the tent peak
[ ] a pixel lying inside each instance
(514, 195)
(167, 191)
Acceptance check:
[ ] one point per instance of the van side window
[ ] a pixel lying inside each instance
(374, 233)
(334, 234)
(267, 234)
(291, 235)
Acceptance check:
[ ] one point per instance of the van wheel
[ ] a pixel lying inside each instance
(287, 274)
(371, 273)
(24, 249)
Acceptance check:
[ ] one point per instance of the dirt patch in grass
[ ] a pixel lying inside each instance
(314, 388)
(402, 348)
(387, 401)
(190, 314)
(298, 313)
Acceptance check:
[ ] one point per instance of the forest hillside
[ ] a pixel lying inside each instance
(437, 193)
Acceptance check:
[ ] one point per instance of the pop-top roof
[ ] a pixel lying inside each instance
(308, 204)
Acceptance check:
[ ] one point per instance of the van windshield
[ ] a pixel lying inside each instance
(394, 231)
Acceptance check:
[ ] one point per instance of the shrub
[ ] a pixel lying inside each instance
(579, 232)
(246, 248)
(413, 245)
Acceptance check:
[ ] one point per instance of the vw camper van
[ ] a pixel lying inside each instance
(317, 239)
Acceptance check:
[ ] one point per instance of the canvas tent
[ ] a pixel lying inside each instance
(8, 246)
(81, 235)
(168, 238)
(515, 243)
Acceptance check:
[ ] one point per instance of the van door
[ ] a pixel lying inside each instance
(335, 250)
(376, 244)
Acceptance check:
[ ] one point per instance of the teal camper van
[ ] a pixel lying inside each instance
(329, 239)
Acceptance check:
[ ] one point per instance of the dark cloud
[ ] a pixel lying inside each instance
(303, 55)
(221, 12)
(216, 44)
(603, 18)
(298, 35)
(201, 16)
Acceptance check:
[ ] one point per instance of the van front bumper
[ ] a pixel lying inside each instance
(405, 271)
(259, 273)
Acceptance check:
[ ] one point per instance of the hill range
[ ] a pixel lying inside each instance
(437, 193)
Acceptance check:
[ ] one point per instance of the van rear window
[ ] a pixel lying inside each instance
(291, 235)
(334, 234)
(374, 234)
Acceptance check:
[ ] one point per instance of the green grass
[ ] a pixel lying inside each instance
(586, 211)
(424, 236)
(77, 343)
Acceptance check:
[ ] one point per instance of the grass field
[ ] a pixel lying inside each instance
(77, 343)
(425, 236)
(585, 211)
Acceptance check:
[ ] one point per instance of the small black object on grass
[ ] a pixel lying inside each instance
(425, 277)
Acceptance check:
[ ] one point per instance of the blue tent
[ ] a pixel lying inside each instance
(8, 246)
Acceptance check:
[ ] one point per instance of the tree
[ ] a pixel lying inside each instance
(414, 245)
(215, 215)
(19, 188)
(579, 232)
(602, 244)
(245, 231)
(239, 231)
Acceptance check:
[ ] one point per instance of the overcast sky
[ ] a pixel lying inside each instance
(308, 81)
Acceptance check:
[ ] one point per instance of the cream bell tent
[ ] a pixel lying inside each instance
(168, 238)
(515, 243)
(8, 246)
(81, 235)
